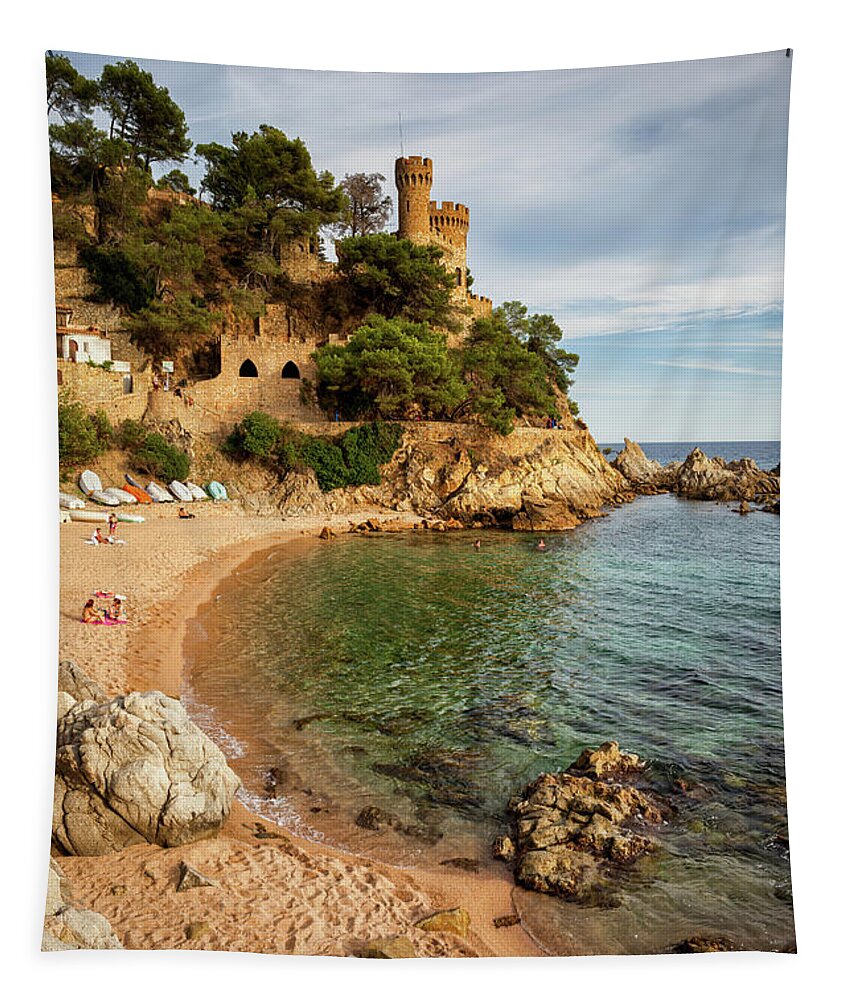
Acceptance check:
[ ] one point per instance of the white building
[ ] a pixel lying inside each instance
(83, 343)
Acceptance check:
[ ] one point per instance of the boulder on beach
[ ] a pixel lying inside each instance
(76, 683)
(390, 947)
(570, 830)
(455, 921)
(133, 770)
(69, 928)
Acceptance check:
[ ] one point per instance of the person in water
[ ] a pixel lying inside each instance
(541, 546)
(91, 614)
(182, 512)
(477, 544)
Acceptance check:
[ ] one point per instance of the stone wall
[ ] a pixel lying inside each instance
(99, 389)
(481, 307)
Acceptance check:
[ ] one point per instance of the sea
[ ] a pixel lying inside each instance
(416, 675)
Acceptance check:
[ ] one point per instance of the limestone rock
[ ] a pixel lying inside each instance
(327, 533)
(504, 848)
(133, 770)
(635, 466)
(190, 878)
(454, 921)
(699, 944)
(390, 947)
(69, 928)
(75, 682)
(540, 513)
(703, 478)
(463, 473)
(605, 762)
(570, 830)
(64, 704)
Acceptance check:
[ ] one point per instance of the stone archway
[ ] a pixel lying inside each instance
(248, 369)
(290, 370)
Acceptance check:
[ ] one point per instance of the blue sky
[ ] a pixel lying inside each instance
(643, 206)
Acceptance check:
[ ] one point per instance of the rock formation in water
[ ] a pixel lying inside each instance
(700, 477)
(572, 829)
(136, 769)
(67, 927)
(640, 471)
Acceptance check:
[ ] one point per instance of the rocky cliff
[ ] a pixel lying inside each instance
(533, 479)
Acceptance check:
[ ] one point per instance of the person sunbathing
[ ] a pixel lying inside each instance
(116, 611)
(91, 614)
(183, 513)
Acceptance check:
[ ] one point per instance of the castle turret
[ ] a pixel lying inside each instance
(413, 182)
(444, 224)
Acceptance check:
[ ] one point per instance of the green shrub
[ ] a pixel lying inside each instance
(351, 460)
(131, 435)
(81, 436)
(103, 429)
(367, 447)
(159, 458)
(256, 434)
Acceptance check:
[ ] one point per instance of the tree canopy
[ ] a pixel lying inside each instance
(273, 177)
(142, 114)
(541, 335)
(397, 278)
(505, 379)
(367, 209)
(69, 93)
(389, 368)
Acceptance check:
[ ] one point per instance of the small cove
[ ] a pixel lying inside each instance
(416, 675)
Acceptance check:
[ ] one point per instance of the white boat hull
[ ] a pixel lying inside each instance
(89, 515)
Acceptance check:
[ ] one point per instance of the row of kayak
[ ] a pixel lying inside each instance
(134, 492)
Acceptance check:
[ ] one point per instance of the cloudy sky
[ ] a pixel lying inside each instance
(643, 206)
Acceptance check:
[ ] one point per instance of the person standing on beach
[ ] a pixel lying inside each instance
(113, 525)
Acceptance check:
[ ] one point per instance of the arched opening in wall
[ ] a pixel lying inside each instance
(73, 347)
(458, 276)
(290, 370)
(248, 369)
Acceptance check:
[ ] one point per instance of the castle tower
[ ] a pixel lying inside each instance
(413, 182)
(445, 224)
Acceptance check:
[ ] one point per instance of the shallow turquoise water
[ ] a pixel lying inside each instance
(445, 678)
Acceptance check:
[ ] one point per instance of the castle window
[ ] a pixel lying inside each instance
(407, 204)
(290, 370)
(248, 369)
(458, 276)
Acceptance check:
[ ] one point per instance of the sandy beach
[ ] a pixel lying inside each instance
(276, 892)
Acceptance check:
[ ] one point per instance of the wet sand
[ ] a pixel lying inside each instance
(277, 892)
